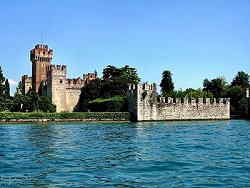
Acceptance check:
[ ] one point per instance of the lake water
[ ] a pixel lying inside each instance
(152, 154)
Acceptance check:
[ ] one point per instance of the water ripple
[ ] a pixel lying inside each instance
(150, 154)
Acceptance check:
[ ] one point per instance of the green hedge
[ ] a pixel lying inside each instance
(66, 115)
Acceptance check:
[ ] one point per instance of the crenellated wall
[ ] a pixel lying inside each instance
(51, 80)
(56, 86)
(145, 105)
(65, 93)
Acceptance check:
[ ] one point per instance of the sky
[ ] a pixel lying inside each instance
(193, 39)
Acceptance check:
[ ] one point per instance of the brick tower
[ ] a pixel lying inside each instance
(41, 57)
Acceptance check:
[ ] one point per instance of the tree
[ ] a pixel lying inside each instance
(45, 104)
(216, 86)
(241, 79)
(167, 85)
(7, 88)
(129, 75)
(2, 80)
(236, 94)
(126, 74)
(114, 84)
(191, 93)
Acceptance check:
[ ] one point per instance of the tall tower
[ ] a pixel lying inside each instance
(41, 57)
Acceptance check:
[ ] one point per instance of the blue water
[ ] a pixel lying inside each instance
(158, 154)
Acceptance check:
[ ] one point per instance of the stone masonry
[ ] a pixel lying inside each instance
(146, 105)
(51, 80)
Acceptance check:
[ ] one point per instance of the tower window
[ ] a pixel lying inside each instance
(61, 81)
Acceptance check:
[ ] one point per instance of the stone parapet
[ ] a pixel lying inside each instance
(146, 105)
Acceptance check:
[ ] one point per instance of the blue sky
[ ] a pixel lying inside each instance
(194, 39)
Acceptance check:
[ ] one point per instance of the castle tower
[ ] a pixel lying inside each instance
(41, 57)
(57, 86)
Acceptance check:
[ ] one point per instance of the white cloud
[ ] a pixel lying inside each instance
(13, 82)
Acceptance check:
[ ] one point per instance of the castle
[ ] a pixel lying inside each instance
(51, 80)
(145, 105)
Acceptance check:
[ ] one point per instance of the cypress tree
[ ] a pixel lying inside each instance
(2, 79)
(167, 85)
(7, 88)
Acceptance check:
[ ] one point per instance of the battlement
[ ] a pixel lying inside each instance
(41, 53)
(145, 105)
(193, 101)
(142, 86)
(56, 69)
(26, 78)
(76, 83)
(147, 87)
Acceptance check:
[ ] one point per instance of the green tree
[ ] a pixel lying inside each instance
(126, 74)
(45, 104)
(114, 84)
(241, 79)
(2, 80)
(34, 100)
(129, 75)
(216, 86)
(167, 85)
(191, 93)
(19, 89)
(7, 88)
(236, 94)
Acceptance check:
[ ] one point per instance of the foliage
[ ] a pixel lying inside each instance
(66, 115)
(241, 79)
(31, 102)
(45, 104)
(113, 104)
(5, 99)
(90, 92)
(7, 88)
(126, 74)
(191, 93)
(2, 80)
(114, 83)
(19, 89)
(167, 85)
(215, 86)
(236, 94)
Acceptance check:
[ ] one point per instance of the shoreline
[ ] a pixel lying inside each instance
(19, 121)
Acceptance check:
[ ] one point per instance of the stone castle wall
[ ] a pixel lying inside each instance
(51, 80)
(56, 86)
(65, 93)
(145, 105)
(72, 99)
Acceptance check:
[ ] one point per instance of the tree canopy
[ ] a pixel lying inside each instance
(114, 84)
(126, 74)
(167, 85)
(241, 79)
(215, 86)
(2, 82)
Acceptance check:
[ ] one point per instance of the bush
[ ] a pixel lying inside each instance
(66, 115)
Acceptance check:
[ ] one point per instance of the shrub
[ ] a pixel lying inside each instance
(66, 115)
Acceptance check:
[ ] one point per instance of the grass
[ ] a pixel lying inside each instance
(113, 99)
(65, 115)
